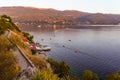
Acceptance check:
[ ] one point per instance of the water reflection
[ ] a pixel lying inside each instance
(94, 48)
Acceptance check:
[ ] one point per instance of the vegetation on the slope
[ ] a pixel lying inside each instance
(28, 36)
(114, 76)
(33, 51)
(6, 23)
(39, 63)
(8, 66)
(45, 75)
(89, 75)
(59, 68)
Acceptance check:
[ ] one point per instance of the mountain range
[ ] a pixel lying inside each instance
(52, 16)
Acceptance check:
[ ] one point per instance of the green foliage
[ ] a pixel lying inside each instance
(16, 40)
(33, 51)
(6, 23)
(28, 36)
(15, 27)
(6, 17)
(114, 76)
(89, 75)
(45, 76)
(59, 68)
(3, 26)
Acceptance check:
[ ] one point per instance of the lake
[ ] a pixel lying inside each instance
(95, 48)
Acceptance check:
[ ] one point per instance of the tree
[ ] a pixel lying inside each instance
(114, 76)
(28, 36)
(46, 75)
(60, 68)
(7, 18)
(6, 23)
(89, 75)
(63, 69)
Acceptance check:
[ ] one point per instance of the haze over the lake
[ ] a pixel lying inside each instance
(93, 6)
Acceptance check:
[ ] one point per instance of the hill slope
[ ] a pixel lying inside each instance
(52, 16)
(28, 14)
(99, 18)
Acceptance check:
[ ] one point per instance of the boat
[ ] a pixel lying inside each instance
(45, 48)
(39, 47)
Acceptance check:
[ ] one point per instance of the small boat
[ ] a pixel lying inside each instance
(39, 47)
(45, 48)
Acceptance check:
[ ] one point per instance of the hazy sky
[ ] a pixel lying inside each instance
(104, 6)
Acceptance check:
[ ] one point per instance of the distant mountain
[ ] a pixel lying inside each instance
(52, 16)
(99, 18)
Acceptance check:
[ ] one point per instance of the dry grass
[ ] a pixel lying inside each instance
(8, 66)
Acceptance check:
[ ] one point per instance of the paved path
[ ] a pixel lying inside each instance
(21, 60)
(27, 68)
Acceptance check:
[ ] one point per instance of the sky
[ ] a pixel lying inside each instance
(93, 6)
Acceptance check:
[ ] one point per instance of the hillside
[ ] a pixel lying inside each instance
(13, 66)
(28, 14)
(99, 18)
(18, 61)
(52, 16)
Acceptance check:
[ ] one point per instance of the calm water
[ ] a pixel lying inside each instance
(96, 48)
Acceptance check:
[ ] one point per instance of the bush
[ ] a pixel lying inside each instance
(33, 51)
(59, 68)
(6, 23)
(89, 75)
(114, 76)
(45, 76)
(6, 17)
(28, 36)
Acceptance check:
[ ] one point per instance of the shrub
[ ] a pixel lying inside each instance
(33, 51)
(28, 36)
(45, 76)
(59, 68)
(6, 23)
(89, 75)
(114, 76)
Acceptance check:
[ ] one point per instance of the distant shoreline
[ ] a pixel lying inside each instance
(99, 25)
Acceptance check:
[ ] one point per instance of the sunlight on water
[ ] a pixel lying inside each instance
(82, 47)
